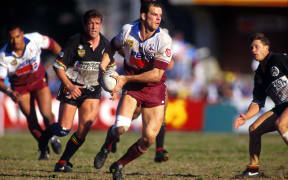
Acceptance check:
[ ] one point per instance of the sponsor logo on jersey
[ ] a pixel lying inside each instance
(280, 83)
(129, 43)
(14, 62)
(274, 71)
(168, 52)
(81, 51)
(89, 66)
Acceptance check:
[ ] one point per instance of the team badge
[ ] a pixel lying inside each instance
(129, 43)
(14, 62)
(274, 71)
(168, 52)
(81, 51)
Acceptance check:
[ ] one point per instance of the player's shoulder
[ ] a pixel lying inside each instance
(127, 27)
(164, 35)
(279, 57)
(33, 35)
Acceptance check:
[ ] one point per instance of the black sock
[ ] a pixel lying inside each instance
(44, 139)
(71, 147)
(160, 137)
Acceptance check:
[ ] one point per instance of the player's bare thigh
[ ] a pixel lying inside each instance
(152, 119)
(66, 115)
(282, 122)
(87, 113)
(265, 123)
(126, 106)
(44, 100)
(24, 102)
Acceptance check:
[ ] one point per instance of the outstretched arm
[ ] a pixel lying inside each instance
(252, 111)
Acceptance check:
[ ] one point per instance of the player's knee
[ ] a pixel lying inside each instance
(252, 128)
(148, 141)
(281, 126)
(122, 124)
(58, 130)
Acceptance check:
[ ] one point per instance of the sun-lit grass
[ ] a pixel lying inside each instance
(192, 156)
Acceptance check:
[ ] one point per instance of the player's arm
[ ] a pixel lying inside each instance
(55, 48)
(252, 111)
(13, 94)
(259, 97)
(171, 64)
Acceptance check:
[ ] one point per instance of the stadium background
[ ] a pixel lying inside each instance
(212, 31)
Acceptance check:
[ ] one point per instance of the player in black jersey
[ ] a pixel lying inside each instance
(78, 68)
(270, 80)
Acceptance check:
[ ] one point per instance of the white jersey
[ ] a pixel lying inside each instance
(142, 54)
(11, 64)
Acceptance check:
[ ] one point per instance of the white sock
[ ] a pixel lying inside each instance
(285, 136)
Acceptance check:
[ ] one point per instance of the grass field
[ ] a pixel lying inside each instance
(192, 156)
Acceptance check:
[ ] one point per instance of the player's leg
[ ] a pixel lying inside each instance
(264, 124)
(161, 154)
(44, 99)
(152, 120)
(125, 110)
(282, 125)
(27, 106)
(136, 114)
(62, 127)
(87, 115)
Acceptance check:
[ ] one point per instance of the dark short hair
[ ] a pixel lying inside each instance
(13, 26)
(261, 37)
(93, 13)
(145, 5)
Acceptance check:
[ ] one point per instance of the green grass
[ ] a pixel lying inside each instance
(192, 156)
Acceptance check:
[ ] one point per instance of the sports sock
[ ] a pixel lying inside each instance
(72, 146)
(253, 168)
(46, 135)
(160, 138)
(110, 138)
(285, 136)
(132, 153)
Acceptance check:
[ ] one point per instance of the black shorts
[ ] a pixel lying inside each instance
(93, 92)
(280, 108)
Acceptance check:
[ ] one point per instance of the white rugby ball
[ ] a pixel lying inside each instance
(108, 82)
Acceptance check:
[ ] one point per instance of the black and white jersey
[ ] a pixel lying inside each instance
(79, 60)
(272, 81)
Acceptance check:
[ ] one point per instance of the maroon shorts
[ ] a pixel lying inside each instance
(34, 86)
(149, 96)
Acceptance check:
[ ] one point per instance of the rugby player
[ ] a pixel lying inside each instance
(161, 154)
(20, 61)
(147, 50)
(78, 68)
(270, 80)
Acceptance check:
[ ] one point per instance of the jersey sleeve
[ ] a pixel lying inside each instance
(259, 95)
(65, 57)
(42, 41)
(119, 40)
(3, 67)
(164, 55)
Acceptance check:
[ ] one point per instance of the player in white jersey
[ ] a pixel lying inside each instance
(161, 154)
(147, 50)
(20, 62)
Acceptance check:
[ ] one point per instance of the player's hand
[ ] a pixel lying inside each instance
(240, 121)
(121, 81)
(102, 69)
(113, 96)
(75, 91)
(14, 96)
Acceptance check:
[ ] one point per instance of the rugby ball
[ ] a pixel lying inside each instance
(108, 83)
